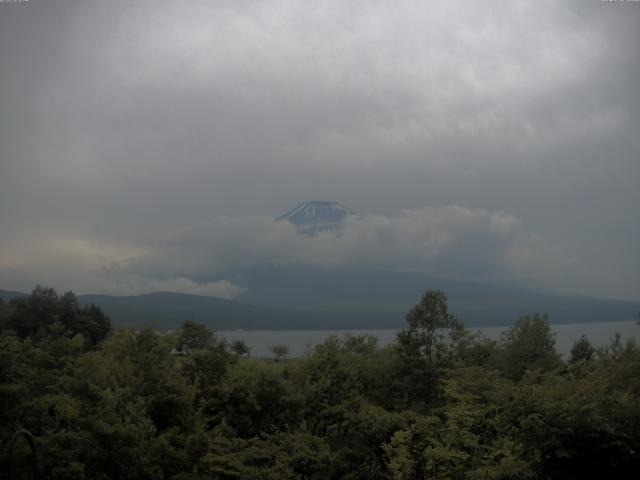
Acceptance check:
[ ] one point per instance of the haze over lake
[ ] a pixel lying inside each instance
(600, 334)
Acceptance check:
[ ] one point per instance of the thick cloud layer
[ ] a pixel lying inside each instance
(448, 241)
(126, 121)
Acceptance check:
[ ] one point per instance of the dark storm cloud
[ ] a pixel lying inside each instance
(125, 121)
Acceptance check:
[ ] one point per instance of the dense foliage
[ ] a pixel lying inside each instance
(438, 403)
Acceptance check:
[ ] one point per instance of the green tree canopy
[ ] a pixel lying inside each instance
(582, 350)
(427, 345)
(45, 312)
(280, 351)
(240, 348)
(432, 329)
(193, 336)
(529, 344)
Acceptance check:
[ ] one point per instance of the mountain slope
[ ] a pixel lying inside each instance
(316, 299)
(7, 295)
(168, 310)
(380, 293)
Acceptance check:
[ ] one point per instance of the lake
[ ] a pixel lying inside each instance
(599, 334)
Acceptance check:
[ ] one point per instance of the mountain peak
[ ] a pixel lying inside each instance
(317, 215)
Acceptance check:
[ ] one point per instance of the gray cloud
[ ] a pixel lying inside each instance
(447, 241)
(125, 121)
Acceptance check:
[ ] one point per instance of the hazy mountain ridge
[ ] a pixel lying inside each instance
(168, 310)
(299, 299)
(393, 293)
(8, 295)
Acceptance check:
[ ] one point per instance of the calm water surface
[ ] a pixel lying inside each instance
(299, 341)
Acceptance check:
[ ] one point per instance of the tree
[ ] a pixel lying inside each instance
(240, 348)
(360, 344)
(205, 369)
(193, 336)
(582, 350)
(88, 321)
(32, 315)
(432, 329)
(280, 351)
(281, 456)
(254, 398)
(428, 344)
(45, 314)
(529, 344)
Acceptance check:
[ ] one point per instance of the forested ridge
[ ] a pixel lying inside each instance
(440, 402)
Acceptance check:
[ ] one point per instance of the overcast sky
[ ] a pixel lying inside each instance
(147, 145)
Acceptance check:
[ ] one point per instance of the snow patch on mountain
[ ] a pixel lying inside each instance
(317, 215)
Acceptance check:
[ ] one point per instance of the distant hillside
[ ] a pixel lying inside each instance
(167, 310)
(382, 293)
(316, 299)
(7, 295)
